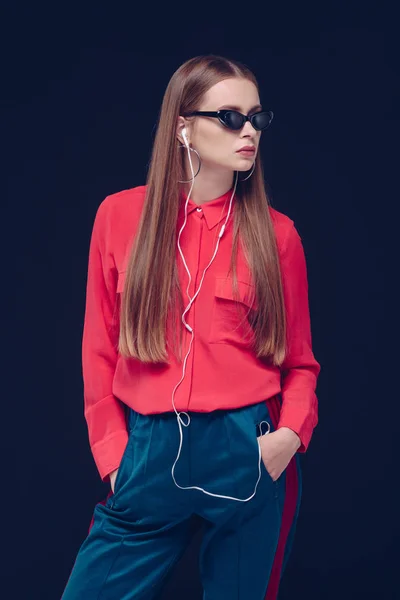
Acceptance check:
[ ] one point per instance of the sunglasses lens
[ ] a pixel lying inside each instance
(233, 119)
(262, 120)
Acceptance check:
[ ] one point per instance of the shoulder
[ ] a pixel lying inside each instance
(117, 220)
(119, 213)
(125, 202)
(284, 228)
(280, 220)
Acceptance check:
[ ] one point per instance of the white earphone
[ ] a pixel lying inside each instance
(189, 328)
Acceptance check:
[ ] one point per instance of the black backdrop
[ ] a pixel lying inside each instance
(81, 95)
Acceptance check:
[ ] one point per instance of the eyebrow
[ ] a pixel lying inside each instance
(231, 106)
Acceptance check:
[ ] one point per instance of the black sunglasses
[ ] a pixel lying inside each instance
(235, 120)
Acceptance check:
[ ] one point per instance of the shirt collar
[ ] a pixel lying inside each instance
(213, 210)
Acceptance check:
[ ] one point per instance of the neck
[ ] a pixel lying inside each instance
(208, 184)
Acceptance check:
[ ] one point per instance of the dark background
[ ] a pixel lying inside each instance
(81, 92)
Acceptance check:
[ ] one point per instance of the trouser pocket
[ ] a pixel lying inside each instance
(263, 426)
(244, 426)
(126, 464)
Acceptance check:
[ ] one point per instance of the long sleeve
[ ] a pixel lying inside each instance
(104, 413)
(300, 369)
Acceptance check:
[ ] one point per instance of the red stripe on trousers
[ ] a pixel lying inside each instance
(289, 509)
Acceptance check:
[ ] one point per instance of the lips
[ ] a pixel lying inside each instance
(247, 149)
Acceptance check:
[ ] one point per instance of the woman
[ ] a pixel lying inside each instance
(207, 424)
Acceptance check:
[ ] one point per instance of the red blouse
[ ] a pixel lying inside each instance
(221, 371)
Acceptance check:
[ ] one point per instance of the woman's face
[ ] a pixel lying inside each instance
(216, 144)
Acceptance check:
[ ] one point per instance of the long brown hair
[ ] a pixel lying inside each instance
(148, 300)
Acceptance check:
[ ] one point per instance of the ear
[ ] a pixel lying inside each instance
(181, 124)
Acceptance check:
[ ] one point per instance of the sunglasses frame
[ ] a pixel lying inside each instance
(220, 114)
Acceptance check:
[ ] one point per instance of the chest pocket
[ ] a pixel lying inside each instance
(229, 322)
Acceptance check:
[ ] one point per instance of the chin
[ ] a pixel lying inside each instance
(246, 165)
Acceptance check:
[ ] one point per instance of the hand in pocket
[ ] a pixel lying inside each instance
(275, 453)
(113, 476)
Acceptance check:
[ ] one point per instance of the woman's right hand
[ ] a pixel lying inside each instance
(113, 476)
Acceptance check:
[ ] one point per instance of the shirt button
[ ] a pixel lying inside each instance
(198, 209)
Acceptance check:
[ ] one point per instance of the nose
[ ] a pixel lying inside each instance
(248, 129)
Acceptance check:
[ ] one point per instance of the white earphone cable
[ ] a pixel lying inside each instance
(179, 419)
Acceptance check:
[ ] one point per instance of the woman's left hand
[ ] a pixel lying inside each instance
(277, 449)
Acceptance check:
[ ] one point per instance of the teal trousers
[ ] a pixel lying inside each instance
(139, 532)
